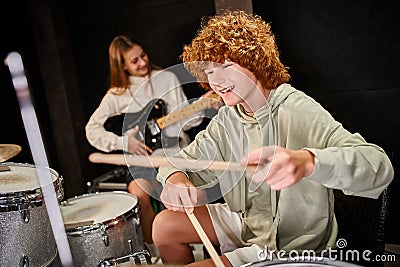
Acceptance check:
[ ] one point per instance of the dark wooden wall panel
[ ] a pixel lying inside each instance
(16, 36)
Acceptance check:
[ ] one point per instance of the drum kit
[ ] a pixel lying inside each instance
(103, 228)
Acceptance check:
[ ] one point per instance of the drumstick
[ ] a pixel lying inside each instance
(204, 238)
(158, 161)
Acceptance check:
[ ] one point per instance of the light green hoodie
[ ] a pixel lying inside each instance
(300, 217)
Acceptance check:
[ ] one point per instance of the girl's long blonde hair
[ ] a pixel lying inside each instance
(119, 77)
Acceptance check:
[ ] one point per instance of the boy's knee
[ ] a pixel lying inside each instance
(162, 226)
(137, 190)
(161, 220)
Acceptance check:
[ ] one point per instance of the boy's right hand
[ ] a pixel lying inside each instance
(179, 194)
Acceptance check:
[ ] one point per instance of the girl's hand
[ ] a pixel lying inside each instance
(136, 147)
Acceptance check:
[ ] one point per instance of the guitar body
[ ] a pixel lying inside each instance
(149, 131)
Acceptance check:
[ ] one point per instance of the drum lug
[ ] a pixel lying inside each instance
(24, 262)
(107, 262)
(143, 259)
(60, 194)
(105, 239)
(25, 214)
(136, 215)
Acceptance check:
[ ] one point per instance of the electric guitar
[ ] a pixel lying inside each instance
(152, 119)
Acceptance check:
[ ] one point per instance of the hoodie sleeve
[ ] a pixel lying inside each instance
(354, 166)
(344, 160)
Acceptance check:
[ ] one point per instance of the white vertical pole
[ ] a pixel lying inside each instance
(20, 82)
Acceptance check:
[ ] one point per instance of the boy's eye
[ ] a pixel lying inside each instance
(226, 65)
(221, 66)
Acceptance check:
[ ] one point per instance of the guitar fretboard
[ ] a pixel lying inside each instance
(178, 115)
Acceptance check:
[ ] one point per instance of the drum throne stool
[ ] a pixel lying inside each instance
(362, 224)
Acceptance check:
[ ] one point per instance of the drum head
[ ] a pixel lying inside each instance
(97, 207)
(22, 177)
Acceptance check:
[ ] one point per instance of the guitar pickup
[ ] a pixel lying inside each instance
(153, 127)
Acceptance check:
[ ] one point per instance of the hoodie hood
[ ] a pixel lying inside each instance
(276, 97)
(279, 95)
(263, 116)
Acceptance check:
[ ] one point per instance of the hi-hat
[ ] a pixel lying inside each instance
(8, 151)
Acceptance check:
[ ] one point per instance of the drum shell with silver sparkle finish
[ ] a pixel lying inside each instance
(26, 237)
(107, 233)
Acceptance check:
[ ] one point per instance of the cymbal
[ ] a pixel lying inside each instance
(8, 151)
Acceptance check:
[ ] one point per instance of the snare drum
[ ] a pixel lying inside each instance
(26, 237)
(101, 226)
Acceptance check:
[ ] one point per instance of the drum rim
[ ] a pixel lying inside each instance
(21, 200)
(87, 229)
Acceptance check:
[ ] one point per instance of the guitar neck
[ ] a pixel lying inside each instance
(184, 112)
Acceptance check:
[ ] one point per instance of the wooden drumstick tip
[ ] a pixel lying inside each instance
(95, 157)
(116, 159)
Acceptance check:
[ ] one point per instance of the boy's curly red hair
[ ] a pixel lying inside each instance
(243, 38)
